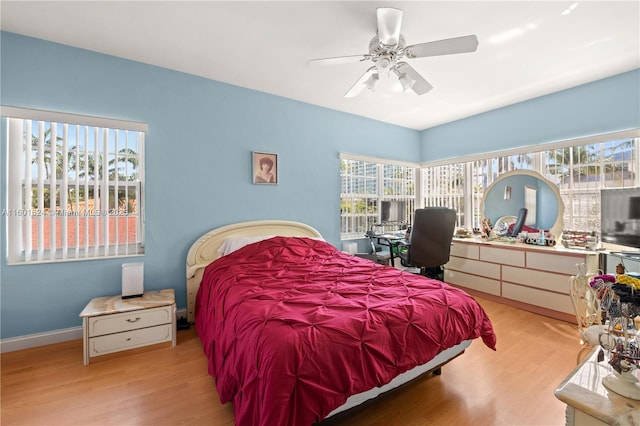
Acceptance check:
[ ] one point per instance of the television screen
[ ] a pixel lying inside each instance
(393, 211)
(620, 216)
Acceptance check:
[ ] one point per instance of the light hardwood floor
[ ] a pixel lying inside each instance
(170, 386)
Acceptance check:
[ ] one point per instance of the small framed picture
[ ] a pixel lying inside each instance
(265, 168)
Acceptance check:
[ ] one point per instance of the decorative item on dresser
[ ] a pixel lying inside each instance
(111, 323)
(297, 320)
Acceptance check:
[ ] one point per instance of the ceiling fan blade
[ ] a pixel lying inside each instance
(420, 85)
(337, 60)
(369, 77)
(389, 21)
(447, 46)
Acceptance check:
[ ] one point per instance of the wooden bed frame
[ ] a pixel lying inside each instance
(205, 250)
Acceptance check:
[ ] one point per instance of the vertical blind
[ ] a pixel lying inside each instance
(75, 189)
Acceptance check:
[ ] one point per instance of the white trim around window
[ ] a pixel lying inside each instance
(78, 119)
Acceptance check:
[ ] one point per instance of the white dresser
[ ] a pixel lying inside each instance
(534, 278)
(111, 324)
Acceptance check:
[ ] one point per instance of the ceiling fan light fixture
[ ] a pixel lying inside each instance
(404, 78)
(388, 46)
(406, 81)
(384, 62)
(371, 82)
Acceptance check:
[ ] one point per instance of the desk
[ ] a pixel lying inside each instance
(389, 239)
(589, 402)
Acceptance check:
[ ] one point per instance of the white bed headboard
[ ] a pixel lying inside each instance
(205, 249)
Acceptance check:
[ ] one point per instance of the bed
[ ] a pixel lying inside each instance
(296, 331)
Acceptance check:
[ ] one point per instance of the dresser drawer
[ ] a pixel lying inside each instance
(476, 267)
(537, 279)
(102, 345)
(107, 324)
(470, 251)
(562, 264)
(473, 282)
(502, 256)
(554, 301)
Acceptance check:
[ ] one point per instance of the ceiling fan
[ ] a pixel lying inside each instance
(388, 48)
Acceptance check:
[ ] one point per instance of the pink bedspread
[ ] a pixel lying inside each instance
(292, 327)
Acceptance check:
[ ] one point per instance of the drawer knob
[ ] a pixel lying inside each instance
(133, 320)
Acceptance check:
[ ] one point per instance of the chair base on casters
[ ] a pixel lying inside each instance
(435, 272)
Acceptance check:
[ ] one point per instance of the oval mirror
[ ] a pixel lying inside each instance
(524, 188)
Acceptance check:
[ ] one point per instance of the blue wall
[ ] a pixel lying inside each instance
(608, 105)
(198, 166)
(201, 134)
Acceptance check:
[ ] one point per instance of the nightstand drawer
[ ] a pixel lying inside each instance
(107, 324)
(130, 339)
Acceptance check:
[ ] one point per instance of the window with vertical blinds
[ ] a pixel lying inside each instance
(580, 169)
(75, 187)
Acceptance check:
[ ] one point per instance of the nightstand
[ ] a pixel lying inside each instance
(112, 324)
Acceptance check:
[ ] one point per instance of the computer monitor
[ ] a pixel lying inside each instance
(620, 216)
(393, 211)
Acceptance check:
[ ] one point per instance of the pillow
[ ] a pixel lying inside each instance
(231, 244)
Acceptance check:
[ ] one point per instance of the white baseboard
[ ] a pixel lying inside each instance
(55, 336)
(40, 339)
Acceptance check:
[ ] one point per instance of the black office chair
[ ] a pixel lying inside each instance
(429, 244)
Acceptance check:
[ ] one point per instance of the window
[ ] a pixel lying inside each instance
(582, 171)
(579, 169)
(75, 187)
(444, 187)
(365, 184)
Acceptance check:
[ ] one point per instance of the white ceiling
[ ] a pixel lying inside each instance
(526, 49)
